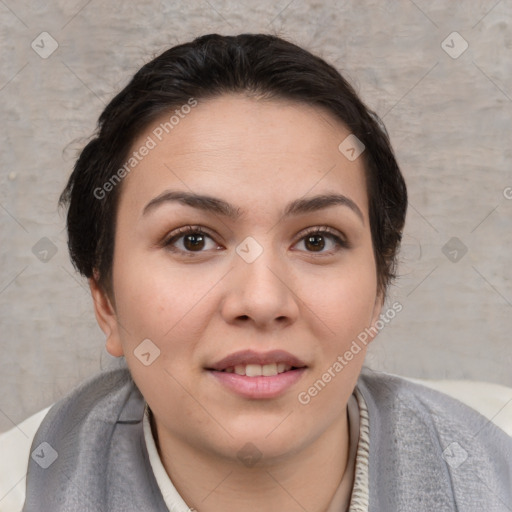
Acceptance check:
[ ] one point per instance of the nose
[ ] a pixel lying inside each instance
(261, 293)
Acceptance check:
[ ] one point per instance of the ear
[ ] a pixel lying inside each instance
(106, 317)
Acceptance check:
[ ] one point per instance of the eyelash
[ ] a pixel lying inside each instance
(199, 230)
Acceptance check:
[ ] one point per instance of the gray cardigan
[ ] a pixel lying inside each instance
(428, 451)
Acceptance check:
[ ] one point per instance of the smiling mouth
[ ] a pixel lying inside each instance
(253, 369)
(257, 375)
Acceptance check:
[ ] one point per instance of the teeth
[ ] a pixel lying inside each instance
(269, 369)
(253, 370)
(257, 370)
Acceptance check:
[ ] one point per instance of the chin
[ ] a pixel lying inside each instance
(269, 440)
(251, 451)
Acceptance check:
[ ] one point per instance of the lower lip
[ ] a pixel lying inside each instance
(259, 387)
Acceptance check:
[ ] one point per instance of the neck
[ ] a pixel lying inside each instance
(305, 480)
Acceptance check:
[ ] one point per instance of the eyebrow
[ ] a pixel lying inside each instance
(219, 206)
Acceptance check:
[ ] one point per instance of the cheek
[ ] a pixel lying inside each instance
(164, 302)
(343, 298)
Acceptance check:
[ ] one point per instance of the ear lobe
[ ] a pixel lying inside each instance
(106, 317)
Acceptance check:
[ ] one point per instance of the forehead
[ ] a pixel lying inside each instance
(249, 151)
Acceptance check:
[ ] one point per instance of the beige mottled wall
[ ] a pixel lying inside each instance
(448, 110)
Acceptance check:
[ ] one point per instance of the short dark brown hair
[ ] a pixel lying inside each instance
(207, 67)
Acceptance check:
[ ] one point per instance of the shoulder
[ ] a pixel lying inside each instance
(16, 443)
(494, 401)
(453, 397)
(441, 449)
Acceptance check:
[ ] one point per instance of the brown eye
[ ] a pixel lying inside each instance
(319, 239)
(189, 240)
(193, 242)
(315, 242)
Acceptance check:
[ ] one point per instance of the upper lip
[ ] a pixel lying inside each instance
(245, 357)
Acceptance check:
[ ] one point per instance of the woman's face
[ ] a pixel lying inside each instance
(252, 288)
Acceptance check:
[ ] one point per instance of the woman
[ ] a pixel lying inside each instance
(238, 216)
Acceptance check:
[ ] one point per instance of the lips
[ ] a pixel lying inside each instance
(258, 375)
(252, 359)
